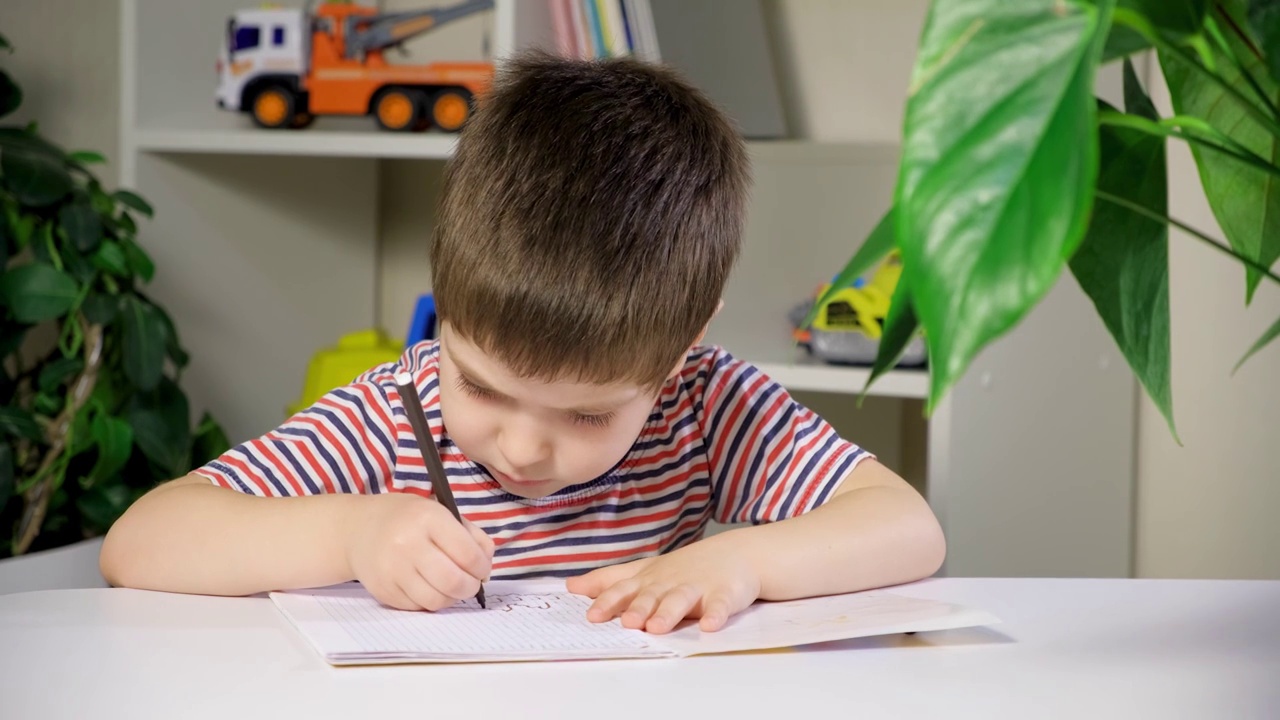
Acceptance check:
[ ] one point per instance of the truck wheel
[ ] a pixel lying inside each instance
(302, 120)
(274, 107)
(398, 109)
(450, 109)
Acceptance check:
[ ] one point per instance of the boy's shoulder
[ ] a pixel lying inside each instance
(421, 360)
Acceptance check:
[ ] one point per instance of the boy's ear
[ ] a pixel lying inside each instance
(696, 342)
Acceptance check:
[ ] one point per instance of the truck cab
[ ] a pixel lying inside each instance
(266, 46)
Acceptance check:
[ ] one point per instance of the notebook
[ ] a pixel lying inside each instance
(539, 620)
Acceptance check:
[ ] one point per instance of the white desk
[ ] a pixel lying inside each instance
(1067, 648)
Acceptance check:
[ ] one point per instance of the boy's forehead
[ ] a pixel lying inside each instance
(482, 367)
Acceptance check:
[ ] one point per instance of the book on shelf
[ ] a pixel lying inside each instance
(721, 47)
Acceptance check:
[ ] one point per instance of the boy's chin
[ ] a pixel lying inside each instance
(530, 491)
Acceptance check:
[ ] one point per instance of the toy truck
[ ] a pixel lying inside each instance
(286, 66)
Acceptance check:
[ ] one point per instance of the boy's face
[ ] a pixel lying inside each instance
(534, 437)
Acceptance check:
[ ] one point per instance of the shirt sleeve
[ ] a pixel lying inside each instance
(343, 443)
(770, 457)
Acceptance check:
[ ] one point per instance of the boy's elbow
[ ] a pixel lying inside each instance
(933, 547)
(126, 547)
(109, 563)
(115, 561)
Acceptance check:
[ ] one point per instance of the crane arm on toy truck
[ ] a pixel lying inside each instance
(365, 35)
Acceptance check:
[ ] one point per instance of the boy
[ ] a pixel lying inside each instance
(588, 223)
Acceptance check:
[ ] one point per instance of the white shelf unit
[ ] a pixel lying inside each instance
(270, 245)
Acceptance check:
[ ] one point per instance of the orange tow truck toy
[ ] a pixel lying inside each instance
(284, 67)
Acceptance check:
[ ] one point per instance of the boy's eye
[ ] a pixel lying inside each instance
(593, 420)
(474, 390)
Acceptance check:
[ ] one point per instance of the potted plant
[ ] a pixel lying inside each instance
(1012, 171)
(91, 412)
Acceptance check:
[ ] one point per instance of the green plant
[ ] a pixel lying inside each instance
(91, 414)
(1011, 169)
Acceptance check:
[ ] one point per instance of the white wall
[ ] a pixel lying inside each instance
(1208, 508)
(67, 60)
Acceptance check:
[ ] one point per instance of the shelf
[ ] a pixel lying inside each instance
(812, 376)
(309, 142)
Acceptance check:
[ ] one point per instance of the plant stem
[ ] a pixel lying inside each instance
(1136, 22)
(1141, 124)
(1152, 215)
(37, 497)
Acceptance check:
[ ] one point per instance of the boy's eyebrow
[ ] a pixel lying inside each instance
(470, 377)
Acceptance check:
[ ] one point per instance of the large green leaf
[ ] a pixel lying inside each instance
(1177, 20)
(209, 442)
(110, 258)
(1245, 200)
(161, 426)
(172, 344)
(873, 249)
(900, 326)
(86, 157)
(38, 292)
(998, 168)
(1123, 263)
(1271, 334)
(82, 224)
(139, 262)
(114, 438)
(135, 201)
(19, 423)
(34, 169)
(1264, 21)
(34, 178)
(144, 342)
(56, 372)
(10, 99)
(100, 308)
(103, 505)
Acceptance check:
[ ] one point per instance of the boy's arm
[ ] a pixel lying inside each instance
(194, 537)
(191, 536)
(875, 531)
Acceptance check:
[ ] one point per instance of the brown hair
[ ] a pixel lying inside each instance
(590, 218)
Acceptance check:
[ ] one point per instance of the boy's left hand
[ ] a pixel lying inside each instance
(707, 579)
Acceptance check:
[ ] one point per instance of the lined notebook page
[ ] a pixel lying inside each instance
(346, 624)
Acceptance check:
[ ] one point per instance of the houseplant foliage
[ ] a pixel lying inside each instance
(91, 413)
(1013, 172)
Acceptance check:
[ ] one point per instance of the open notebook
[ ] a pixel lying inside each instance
(540, 620)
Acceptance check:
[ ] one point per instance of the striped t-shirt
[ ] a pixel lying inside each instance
(723, 442)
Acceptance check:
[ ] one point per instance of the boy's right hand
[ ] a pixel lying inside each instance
(410, 552)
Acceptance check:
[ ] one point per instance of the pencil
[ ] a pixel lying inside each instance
(427, 445)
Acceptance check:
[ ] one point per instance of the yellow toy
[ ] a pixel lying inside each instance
(336, 366)
(848, 327)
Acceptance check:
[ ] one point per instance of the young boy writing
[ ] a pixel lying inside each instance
(590, 217)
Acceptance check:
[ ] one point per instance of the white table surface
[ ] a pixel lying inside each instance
(1066, 648)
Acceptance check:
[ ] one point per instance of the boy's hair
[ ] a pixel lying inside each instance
(589, 220)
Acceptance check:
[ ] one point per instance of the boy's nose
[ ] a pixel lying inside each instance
(524, 448)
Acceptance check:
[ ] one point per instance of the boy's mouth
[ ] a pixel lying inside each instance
(506, 479)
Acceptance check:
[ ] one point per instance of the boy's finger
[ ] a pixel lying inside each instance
(420, 590)
(641, 608)
(392, 596)
(612, 600)
(674, 607)
(597, 581)
(463, 548)
(445, 576)
(716, 609)
(481, 537)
